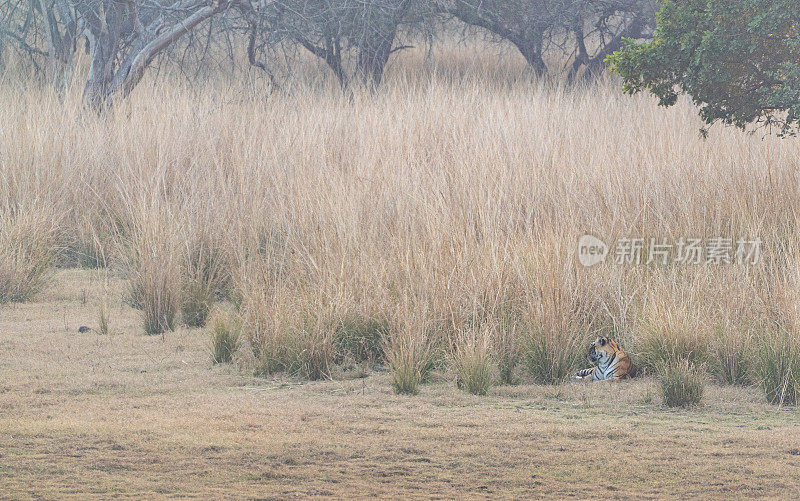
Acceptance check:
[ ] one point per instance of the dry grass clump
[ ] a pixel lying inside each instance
(777, 366)
(558, 325)
(103, 320)
(301, 343)
(206, 271)
(291, 324)
(681, 383)
(27, 251)
(150, 251)
(359, 339)
(730, 355)
(413, 348)
(672, 332)
(507, 349)
(225, 339)
(472, 361)
(410, 359)
(552, 356)
(83, 248)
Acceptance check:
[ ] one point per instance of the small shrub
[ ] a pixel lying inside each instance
(196, 304)
(506, 350)
(473, 364)
(681, 383)
(26, 254)
(777, 367)
(360, 339)
(224, 340)
(730, 357)
(656, 348)
(553, 356)
(411, 358)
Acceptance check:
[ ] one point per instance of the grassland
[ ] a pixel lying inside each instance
(420, 239)
(129, 415)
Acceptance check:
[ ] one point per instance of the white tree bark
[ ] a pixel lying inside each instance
(124, 41)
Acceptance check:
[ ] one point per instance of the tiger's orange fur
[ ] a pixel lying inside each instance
(612, 362)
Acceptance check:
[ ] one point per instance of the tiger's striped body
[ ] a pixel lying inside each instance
(612, 362)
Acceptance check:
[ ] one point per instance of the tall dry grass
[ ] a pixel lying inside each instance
(450, 201)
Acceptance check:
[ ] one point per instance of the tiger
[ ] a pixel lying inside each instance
(612, 362)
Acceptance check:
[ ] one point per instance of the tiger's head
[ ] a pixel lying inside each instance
(602, 350)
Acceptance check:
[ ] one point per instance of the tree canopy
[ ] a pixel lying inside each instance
(739, 60)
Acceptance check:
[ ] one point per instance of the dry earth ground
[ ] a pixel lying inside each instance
(129, 415)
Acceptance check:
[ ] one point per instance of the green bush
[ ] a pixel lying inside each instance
(739, 60)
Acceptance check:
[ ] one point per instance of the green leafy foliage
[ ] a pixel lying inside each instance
(739, 60)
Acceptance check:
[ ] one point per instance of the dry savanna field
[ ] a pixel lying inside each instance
(311, 293)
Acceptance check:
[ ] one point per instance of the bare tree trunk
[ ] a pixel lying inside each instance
(60, 45)
(133, 67)
(114, 72)
(595, 65)
(531, 50)
(381, 21)
(331, 53)
(372, 58)
(103, 47)
(506, 23)
(103, 36)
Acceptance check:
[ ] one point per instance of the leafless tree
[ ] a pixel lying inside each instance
(524, 23)
(122, 36)
(126, 35)
(603, 24)
(353, 37)
(586, 30)
(21, 28)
